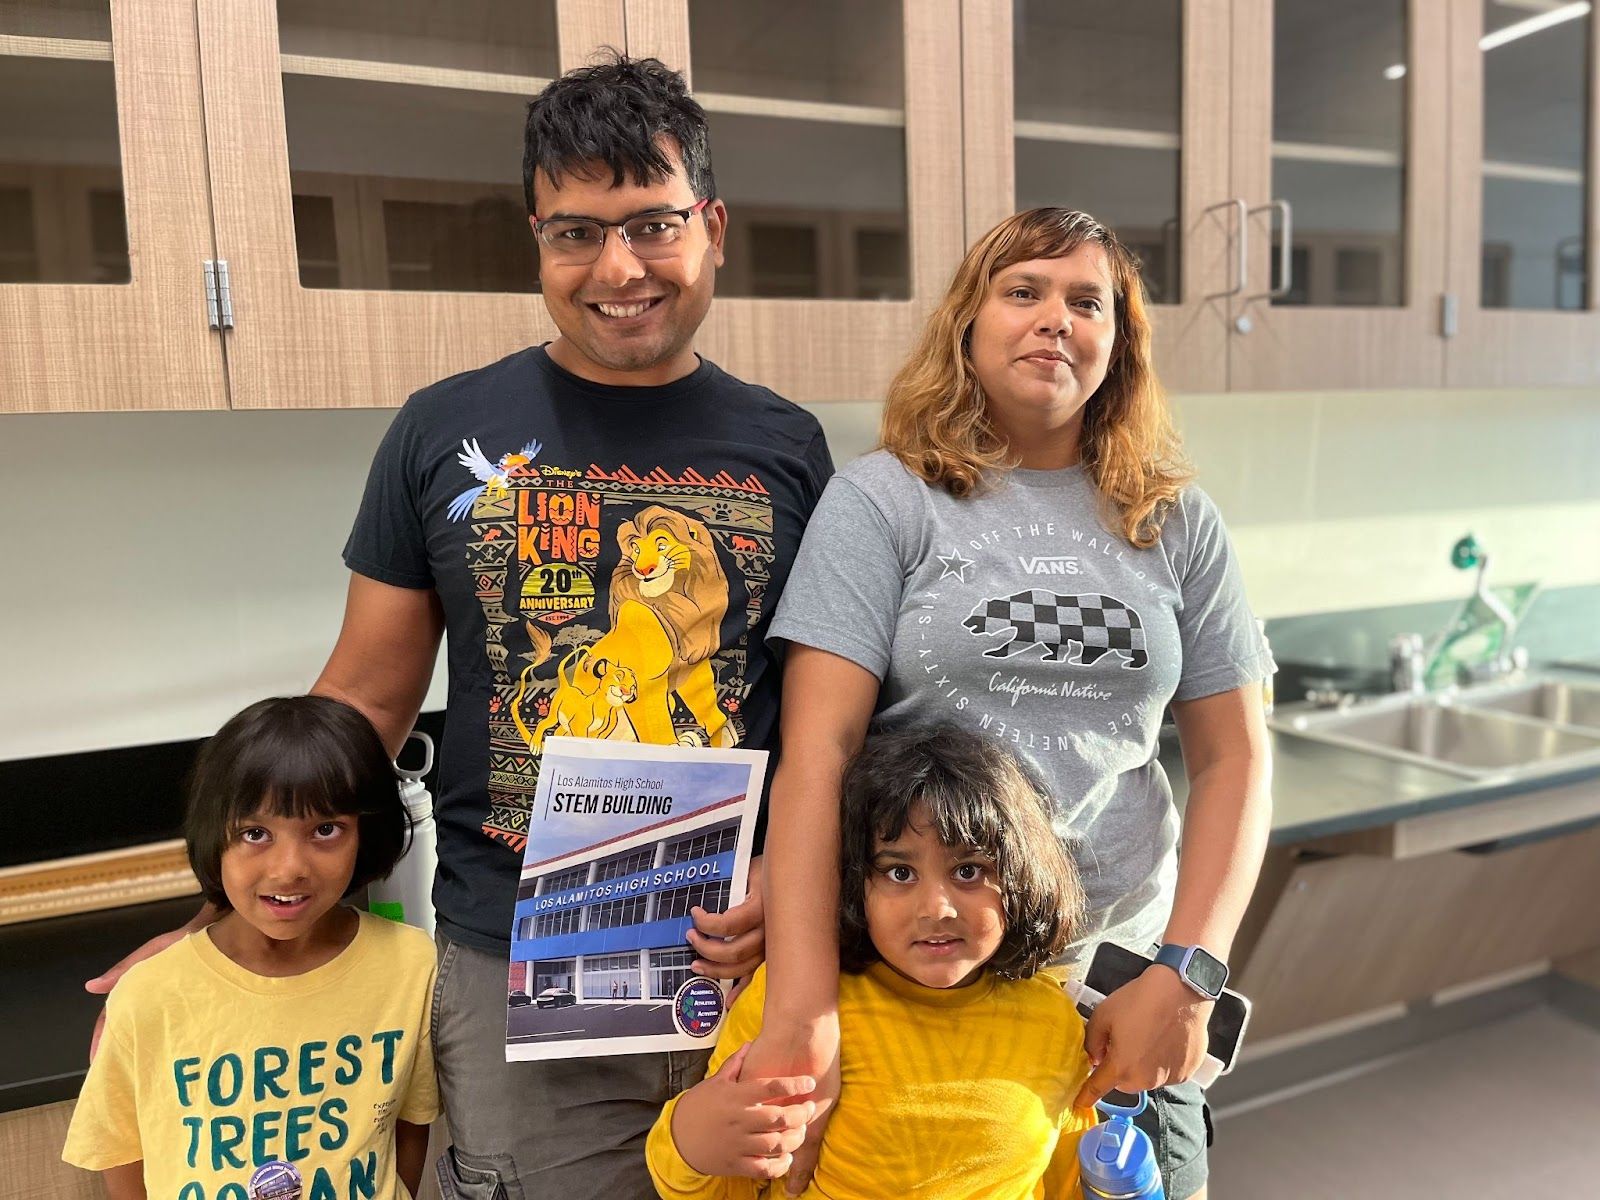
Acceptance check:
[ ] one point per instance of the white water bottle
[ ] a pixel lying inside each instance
(407, 895)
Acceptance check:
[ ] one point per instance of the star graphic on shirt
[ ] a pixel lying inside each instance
(955, 565)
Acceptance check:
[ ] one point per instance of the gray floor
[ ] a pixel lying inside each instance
(1510, 1109)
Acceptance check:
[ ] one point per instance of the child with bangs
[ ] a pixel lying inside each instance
(958, 1059)
(284, 1050)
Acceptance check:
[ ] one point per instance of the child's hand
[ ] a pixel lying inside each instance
(728, 1126)
(1147, 1034)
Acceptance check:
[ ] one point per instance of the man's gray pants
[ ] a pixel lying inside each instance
(572, 1130)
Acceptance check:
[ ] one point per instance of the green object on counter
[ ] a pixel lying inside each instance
(1475, 633)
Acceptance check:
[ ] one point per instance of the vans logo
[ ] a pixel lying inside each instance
(1059, 564)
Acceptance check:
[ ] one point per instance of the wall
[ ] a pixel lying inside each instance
(1353, 500)
(163, 570)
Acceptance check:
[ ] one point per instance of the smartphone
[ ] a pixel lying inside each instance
(1114, 965)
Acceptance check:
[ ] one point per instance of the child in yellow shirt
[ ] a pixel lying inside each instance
(958, 1061)
(285, 1049)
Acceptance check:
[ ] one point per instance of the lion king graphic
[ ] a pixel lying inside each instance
(668, 597)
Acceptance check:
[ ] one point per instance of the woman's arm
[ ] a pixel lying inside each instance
(1153, 1031)
(1227, 819)
(827, 705)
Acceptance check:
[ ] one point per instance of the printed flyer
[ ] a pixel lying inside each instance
(624, 839)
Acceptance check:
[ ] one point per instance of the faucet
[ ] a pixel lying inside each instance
(1413, 663)
(1465, 554)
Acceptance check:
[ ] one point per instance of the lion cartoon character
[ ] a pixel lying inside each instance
(668, 597)
(588, 700)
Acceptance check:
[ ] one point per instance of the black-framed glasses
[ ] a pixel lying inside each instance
(576, 241)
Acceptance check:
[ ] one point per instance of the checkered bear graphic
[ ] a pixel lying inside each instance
(1076, 630)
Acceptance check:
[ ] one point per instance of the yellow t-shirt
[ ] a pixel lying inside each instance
(953, 1094)
(206, 1070)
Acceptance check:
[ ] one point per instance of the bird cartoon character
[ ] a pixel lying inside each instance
(492, 476)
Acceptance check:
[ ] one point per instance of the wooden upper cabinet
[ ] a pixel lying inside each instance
(104, 224)
(1339, 123)
(1120, 111)
(1525, 211)
(366, 172)
(836, 140)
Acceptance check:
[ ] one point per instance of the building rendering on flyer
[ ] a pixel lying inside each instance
(624, 840)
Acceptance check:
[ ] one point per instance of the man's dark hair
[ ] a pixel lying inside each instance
(974, 795)
(615, 113)
(294, 756)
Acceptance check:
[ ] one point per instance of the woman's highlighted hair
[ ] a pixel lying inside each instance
(935, 419)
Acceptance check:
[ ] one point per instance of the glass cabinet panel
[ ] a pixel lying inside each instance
(1099, 118)
(61, 196)
(1535, 133)
(403, 117)
(806, 108)
(1340, 84)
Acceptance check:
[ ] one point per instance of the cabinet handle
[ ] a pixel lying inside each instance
(1243, 247)
(1285, 253)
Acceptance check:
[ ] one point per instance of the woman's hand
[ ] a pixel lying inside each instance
(812, 1048)
(1147, 1034)
(733, 1123)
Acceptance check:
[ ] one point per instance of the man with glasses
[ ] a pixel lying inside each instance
(514, 507)
(608, 487)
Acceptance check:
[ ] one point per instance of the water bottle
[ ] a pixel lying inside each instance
(407, 895)
(1116, 1159)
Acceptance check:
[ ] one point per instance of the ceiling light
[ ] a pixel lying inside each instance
(1517, 29)
(1521, 29)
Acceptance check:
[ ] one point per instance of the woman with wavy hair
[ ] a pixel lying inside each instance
(1024, 554)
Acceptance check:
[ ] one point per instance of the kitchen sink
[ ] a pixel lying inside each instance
(1506, 735)
(1551, 700)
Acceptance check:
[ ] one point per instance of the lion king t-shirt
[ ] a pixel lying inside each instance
(608, 560)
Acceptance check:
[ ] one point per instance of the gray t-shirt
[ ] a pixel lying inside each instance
(1017, 613)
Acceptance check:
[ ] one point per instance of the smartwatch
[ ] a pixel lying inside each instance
(1196, 966)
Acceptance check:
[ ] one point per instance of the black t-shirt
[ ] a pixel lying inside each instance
(521, 494)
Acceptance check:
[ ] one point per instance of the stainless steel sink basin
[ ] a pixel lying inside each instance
(1446, 733)
(1553, 700)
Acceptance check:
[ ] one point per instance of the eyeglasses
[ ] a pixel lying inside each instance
(576, 241)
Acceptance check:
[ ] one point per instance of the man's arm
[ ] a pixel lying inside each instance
(410, 1154)
(384, 657)
(125, 1182)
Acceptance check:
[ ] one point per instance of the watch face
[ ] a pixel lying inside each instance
(1206, 971)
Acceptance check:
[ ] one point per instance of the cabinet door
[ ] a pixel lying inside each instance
(366, 168)
(1339, 133)
(104, 225)
(836, 139)
(1121, 111)
(1525, 211)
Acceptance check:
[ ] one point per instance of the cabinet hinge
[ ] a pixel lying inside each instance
(219, 294)
(1449, 314)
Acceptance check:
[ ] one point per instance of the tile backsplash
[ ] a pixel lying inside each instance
(196, 566)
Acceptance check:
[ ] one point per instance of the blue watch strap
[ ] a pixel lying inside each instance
(1175, 956)
(1180, 958)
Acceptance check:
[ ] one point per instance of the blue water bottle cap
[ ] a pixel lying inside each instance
(1116, 1158)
